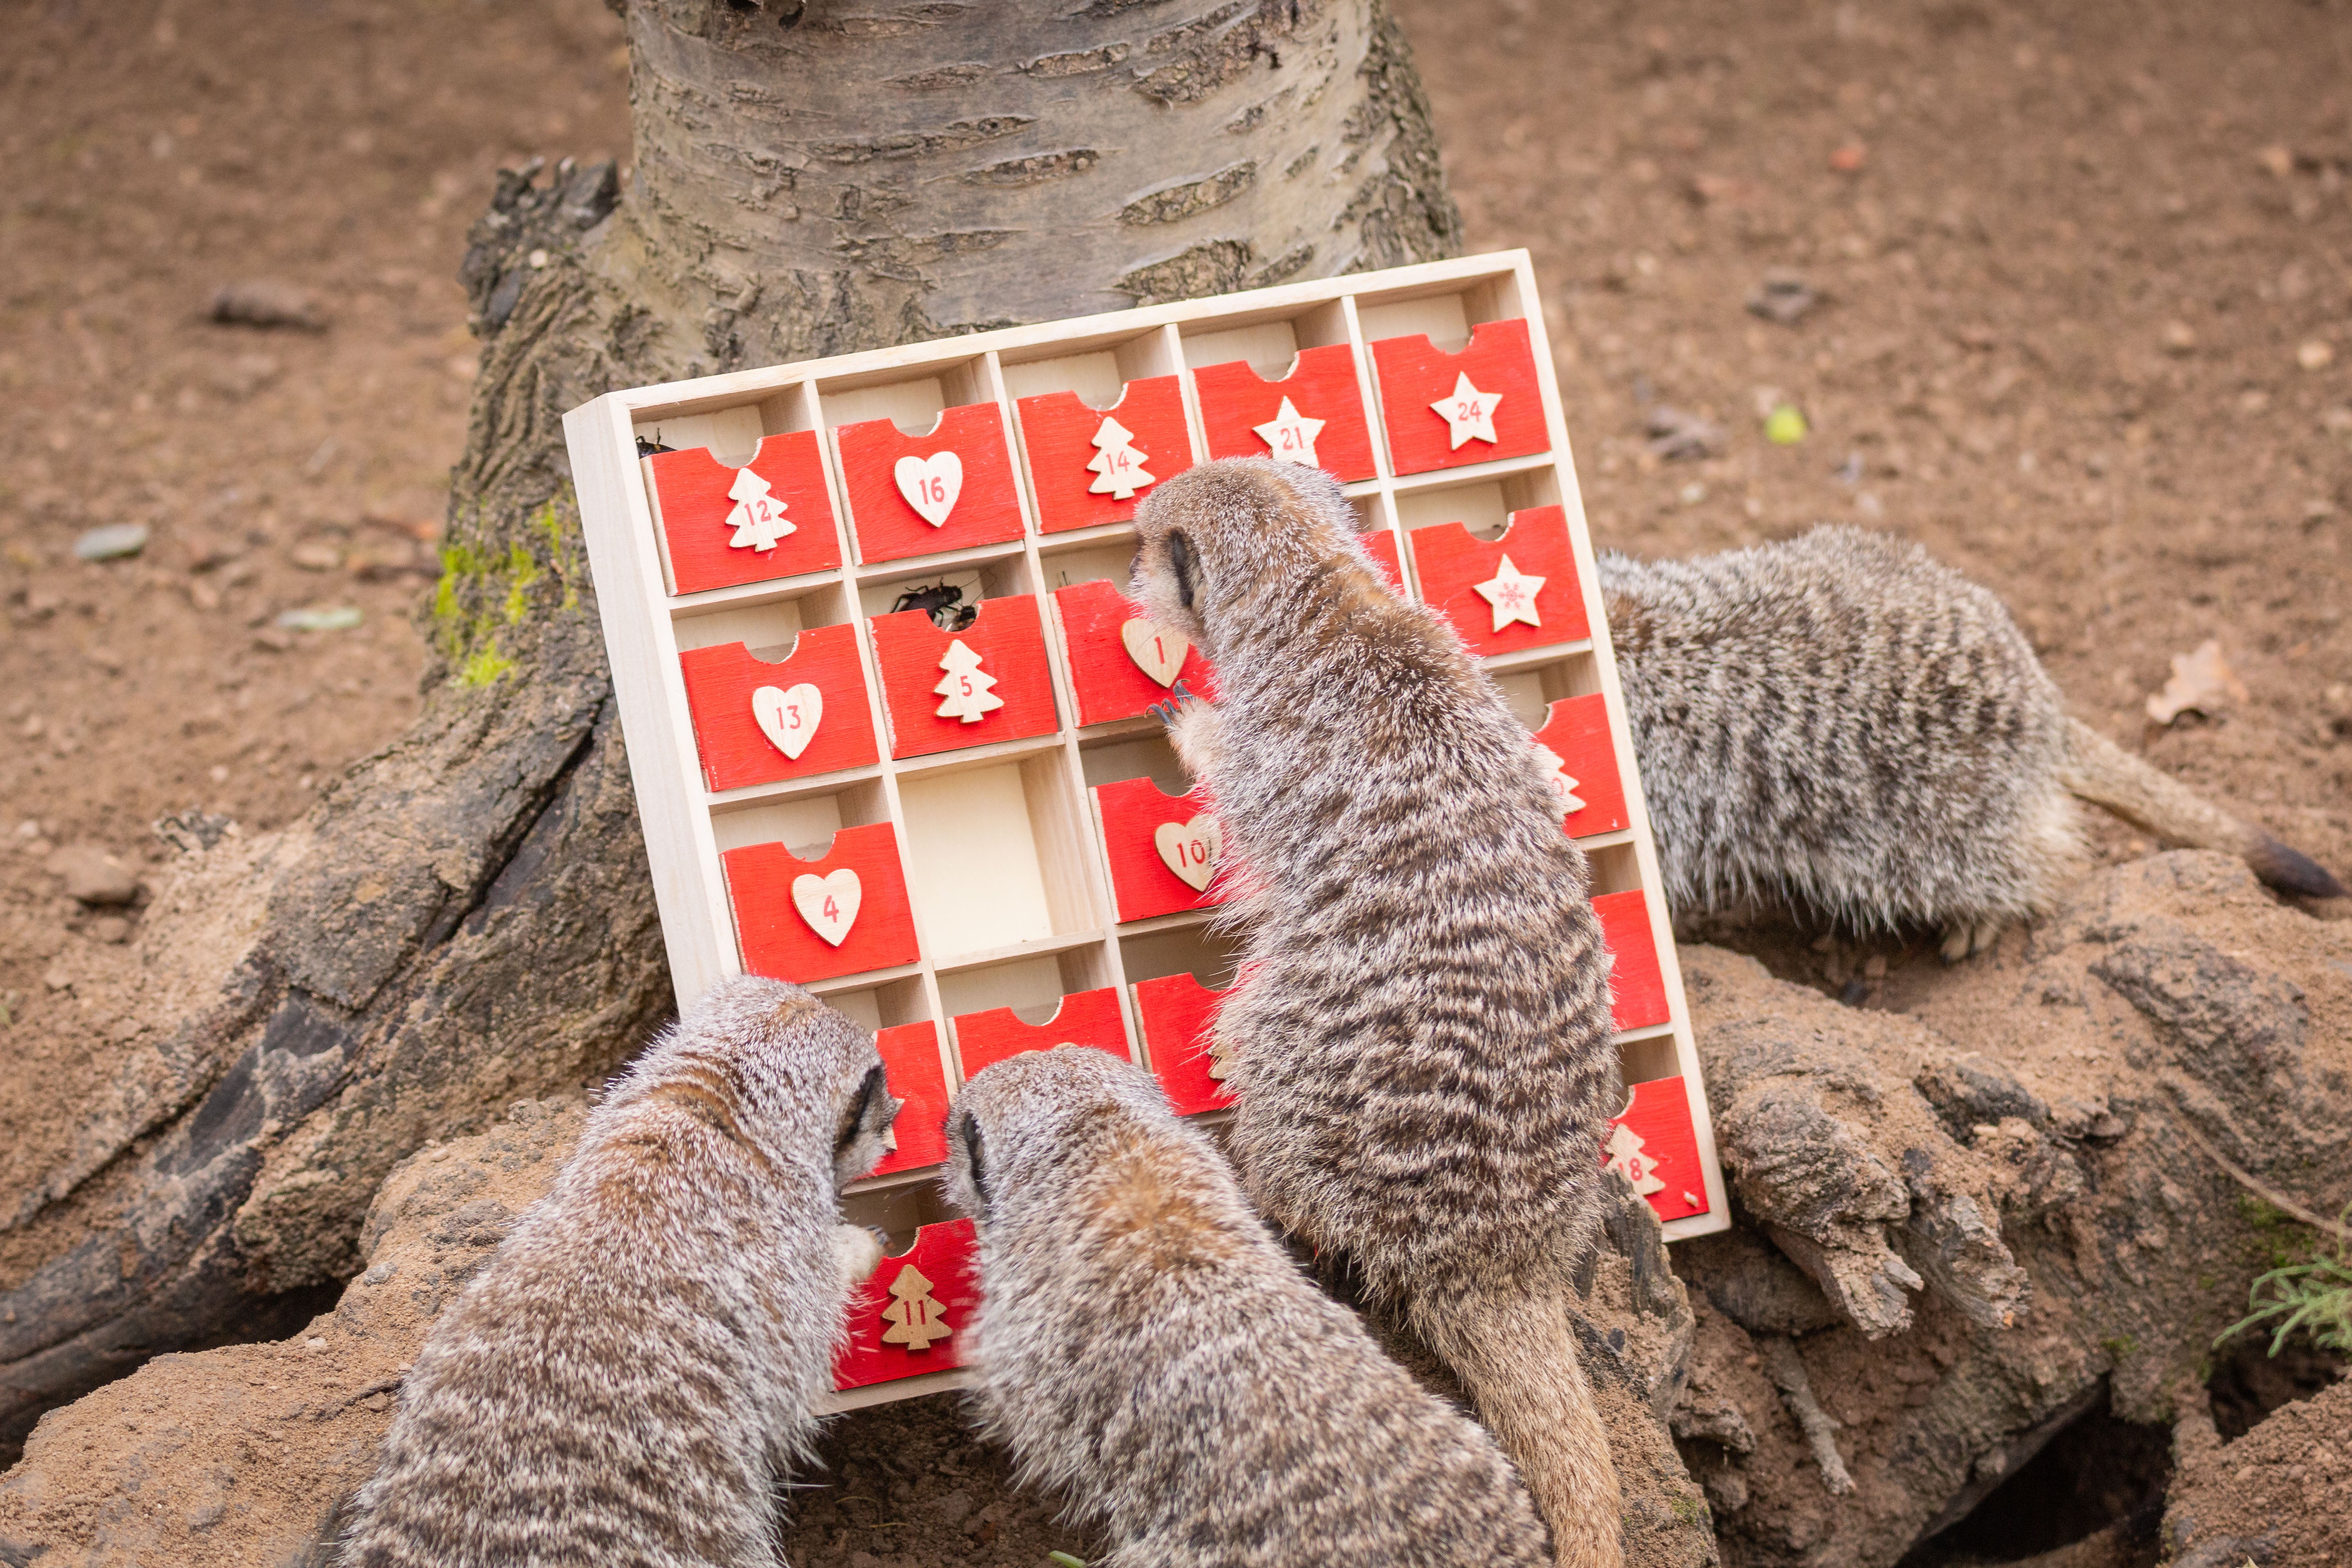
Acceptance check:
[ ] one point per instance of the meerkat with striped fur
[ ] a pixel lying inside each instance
(1419, 1040)
(1840, 724)
(637, 1367)
(1147, 1349)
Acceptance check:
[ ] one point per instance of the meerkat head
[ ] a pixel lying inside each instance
(780, 1055)
(1216, 535)
(1020, 1121)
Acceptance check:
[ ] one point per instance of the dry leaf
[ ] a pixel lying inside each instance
(2201, 681)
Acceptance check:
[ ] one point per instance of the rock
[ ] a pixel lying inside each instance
(1783, 296)
(316, 556)
(2316, 353)
(322, 618)
(243, 1455)
(2179, 337)
(109, 929)
(113, 542)
(93, 876)
(1679, 437)
(265, 302)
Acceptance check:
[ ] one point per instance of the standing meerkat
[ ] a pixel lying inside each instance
(1841, 724)
(638, 1364)
(1419, 1038)
(1145, 1347)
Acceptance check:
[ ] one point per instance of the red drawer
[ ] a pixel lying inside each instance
(918, 495)
(1382, 543)
(1321, 387)
(1576, 730)
(1087, 1019)
(1162, 849)
(1657, 1148)
(1112, 676)
(750, 716)
(1177, 1013)
(1459, 571)
(714, 520)
(1080, 458)
(999, 659)
(1637, 989)
(803, 920)
(1443, 410)
(910, 1060)
(916, 1312)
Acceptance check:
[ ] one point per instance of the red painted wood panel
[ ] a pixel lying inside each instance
(1142, 884)
(1413, 375)
(1637, 987)
(1178, 1013)
(910, 1060)
(1322, 385)
(1057, 432)
(1658, 1149)
(1577, 731)
(888, 526)
(1382, 543)
(1010, 638)
(1452, 562)
(690, 502)
(1103, 676)
(721, 687)
(776, 941)
(1087, 1018)
(946, 1255)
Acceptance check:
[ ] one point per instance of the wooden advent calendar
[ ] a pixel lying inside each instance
(977, 840)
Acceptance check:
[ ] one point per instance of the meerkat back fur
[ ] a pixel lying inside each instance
(629, 1379)
(1147, 1348)
(1841, 724)
(1419, 1040)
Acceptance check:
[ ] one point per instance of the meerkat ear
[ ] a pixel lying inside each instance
(1180, 561)
(870, 1112)
(968, 1134)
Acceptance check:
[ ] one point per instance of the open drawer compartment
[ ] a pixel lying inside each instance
(917, 1075)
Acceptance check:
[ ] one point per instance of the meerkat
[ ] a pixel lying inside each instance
(638, 1364)
(1145, 1347)
(1841, 724)
(1419, 1038)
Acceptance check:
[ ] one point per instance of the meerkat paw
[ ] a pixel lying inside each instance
(858, 1250)
(1962, 938)
(1195, 728)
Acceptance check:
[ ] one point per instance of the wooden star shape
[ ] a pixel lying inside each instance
(1512, 593)
(1289, 436)
(1468, 411)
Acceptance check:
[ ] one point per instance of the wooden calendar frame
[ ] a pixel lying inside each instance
(1005, 881)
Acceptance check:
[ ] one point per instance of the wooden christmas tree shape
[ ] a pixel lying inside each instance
(914, 1318)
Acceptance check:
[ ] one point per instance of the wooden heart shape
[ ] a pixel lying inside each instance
(1159, 653)
(829, 903)
(789, 718)
(1190, 848)
(931, 484)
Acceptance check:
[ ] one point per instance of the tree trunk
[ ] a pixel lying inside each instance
(466, 918)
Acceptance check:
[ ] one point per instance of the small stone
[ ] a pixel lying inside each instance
(1850, 158)
(2179, 337)
(2316, 353)
(265, 302)
(109, 929)
(314, 1345)
(538, 259)
(316, 556)
(322, 618)
(270, 639)
(1680, 437)
(2277, 160)
(380, 1273)
(113, 542)
(92, 876)
(953, 1508)
(1782, 297)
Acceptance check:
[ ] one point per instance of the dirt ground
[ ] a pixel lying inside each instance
(2084, 328)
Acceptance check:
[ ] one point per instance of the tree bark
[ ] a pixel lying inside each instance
(466, 918)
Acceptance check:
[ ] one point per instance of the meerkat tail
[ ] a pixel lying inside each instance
(1516, 1354)
(2106, 775)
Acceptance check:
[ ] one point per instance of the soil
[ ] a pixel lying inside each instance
(2084, 327)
